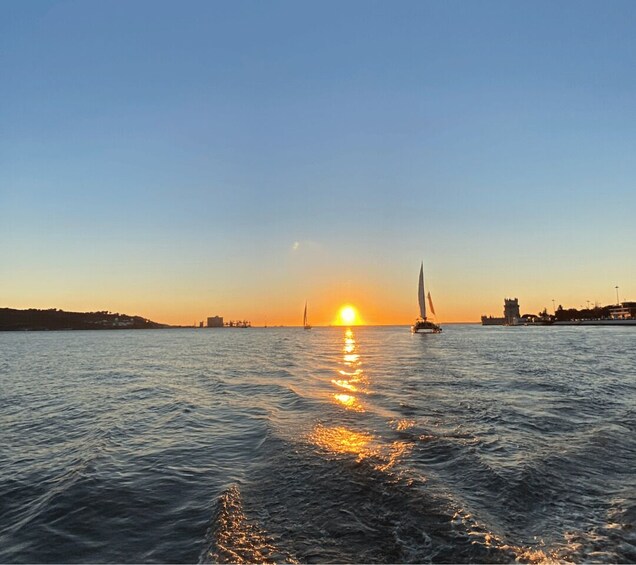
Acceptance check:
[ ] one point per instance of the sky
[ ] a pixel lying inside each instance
(178, 160)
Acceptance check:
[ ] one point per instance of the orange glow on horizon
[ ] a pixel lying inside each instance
(372, 307)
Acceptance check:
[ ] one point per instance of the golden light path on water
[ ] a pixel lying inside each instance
(353, 376)
(342, 439)
(344, 384)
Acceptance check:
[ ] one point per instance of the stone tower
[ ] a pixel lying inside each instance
(511, 310)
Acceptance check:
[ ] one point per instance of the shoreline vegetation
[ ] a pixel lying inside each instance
(54, 319)
(627, 310)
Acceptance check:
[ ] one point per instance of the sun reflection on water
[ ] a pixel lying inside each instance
(342, 440)
(392, 453)
(403, 424)
(349, 401)
(351, 376)
(350, 343)
(344, 384)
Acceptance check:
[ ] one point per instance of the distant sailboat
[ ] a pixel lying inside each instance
(422, 324)
(305, 323)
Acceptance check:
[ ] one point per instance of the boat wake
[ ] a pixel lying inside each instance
(233, 538)
(306, 506)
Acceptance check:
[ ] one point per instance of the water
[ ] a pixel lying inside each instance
(364, 445)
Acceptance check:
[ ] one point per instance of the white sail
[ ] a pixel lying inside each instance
(420, 293)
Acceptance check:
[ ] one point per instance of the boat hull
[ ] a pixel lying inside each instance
(422, 326)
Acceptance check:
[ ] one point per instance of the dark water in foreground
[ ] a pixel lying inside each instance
(370, 445)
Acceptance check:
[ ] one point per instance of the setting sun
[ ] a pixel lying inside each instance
(347, 316)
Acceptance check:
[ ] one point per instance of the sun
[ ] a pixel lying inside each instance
(347, 315)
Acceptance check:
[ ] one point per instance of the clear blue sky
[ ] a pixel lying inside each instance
(181, 159)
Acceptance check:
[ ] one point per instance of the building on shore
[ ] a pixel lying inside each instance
(492, 321)
(624, 311)
(511, 317)
(218, 322)
(215, 322)
(511, 311)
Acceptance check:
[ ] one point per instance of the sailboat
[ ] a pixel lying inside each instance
(422, 324)
(305, 324)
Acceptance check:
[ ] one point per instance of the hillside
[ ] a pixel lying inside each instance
(54, 319)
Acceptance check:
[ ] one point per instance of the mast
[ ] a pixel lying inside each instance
(420, 293)
(305, 315)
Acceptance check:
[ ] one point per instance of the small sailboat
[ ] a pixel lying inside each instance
(422, 324)
(305, 323)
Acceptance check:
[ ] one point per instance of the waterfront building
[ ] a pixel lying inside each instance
(511, 311)
(492, 321)
(215, 322)
(511, 317)
(624, 311)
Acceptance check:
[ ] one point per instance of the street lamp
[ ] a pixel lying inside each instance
(618, 302)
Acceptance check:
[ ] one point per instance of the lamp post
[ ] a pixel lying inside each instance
(618, 302)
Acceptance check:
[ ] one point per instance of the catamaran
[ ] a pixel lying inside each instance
(305, 324)
(422, 324)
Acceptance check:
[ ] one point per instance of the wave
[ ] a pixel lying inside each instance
(233, 538)
(301, 504)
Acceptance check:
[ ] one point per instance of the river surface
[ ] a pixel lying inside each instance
(365, 445)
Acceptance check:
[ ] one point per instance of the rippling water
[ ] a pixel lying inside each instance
(334, 445)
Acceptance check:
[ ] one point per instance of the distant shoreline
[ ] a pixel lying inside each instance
(53, 319)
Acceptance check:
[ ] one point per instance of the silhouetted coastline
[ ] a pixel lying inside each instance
(53, 319)
(620, 314)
